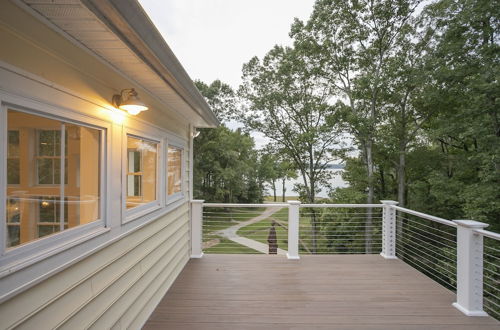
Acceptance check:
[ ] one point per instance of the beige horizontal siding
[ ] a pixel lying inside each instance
(112, 287)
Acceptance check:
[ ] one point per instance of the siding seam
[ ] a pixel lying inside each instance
(175, 260)
(102, 267)
(94, 296)
(160, 291)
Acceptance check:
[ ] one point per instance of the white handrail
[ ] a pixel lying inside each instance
(488, 233)
(243, 205)
(342, 205)
(426, 216)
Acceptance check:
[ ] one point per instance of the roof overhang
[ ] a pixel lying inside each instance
(121, 33)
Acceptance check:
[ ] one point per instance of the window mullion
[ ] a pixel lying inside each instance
(62, 173)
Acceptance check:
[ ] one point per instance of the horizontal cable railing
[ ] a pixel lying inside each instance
(340, 229)
(428, 244)
(244, 229)
(460, 255)
(491, 273)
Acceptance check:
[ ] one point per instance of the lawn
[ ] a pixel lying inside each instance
(259, 231)
(215, 219)
(229, 247)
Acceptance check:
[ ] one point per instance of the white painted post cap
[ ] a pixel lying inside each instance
(471, 224)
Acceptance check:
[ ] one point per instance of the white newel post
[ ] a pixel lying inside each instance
(388, 230)
(293, 230)
(469, 268)
(196, 228)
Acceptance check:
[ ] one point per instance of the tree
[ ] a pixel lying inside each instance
(287, 101)
(220, 97)
(225, 161)
(351, 42)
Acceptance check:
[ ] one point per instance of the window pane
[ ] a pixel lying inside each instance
(13, 141)
(45, 170)
(13, 235)
(141, 176)
(13, 158)
(13, 171)
(34, 203)
(174, 170)
(82, 174)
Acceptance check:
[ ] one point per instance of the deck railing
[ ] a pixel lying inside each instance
(461, 255)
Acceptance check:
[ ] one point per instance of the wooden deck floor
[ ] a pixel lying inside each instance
(316, 292)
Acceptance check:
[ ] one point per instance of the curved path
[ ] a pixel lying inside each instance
(231, 232)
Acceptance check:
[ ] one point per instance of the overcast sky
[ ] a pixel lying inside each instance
(213, 38)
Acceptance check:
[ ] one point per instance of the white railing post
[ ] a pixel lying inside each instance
(293, 230)
(196, 228)
(469, 268)
(388, 230)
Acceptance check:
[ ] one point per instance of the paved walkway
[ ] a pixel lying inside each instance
(231, 232)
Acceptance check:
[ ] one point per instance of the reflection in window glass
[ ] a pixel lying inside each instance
(49, 157)
(35, 153)
(49, 215)
(174, 170)
(141, 171)
(13, 157)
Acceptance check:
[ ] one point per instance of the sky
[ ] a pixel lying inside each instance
(214, 38)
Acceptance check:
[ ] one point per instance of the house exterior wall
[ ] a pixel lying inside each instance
(115, 287)
(113, 275)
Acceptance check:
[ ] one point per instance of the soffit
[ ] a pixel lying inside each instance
(77, 21)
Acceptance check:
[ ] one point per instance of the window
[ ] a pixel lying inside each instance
(142, 159)
(13, 157)
(42, 151)
(174, 170)
(48, 159)
(49, 215)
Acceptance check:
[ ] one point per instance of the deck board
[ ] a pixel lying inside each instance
(315, 292)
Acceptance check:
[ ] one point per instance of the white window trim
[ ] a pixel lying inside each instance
(139, 211)
(180, 144)
(31, 252)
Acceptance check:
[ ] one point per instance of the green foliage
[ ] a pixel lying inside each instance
(226, 164)
(286, 100)
(226, 167)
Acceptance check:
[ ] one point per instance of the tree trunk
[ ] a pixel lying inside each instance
(401, 196)
(284, 189)
(369, 199)
(312, 187)
(402, 177)
(274, 189)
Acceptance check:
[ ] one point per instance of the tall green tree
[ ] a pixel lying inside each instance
(287, 101)
(351, 43)
(225, 161)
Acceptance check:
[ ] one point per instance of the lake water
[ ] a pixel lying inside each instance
(336, 182)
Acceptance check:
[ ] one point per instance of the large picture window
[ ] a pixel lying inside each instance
(174, 169)
(142, 160)
(53, 176)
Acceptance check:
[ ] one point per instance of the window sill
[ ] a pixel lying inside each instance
(26, 257)
(140, 211)
(175, 197)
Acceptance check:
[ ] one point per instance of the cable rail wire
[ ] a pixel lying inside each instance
(428, 246)
(426, 243)
(491, 276)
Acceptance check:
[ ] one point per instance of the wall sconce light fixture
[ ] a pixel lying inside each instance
(129, 101)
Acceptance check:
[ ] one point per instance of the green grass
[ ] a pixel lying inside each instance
(217, 219)
(259, 231)
(229, 247)
(279, 199)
